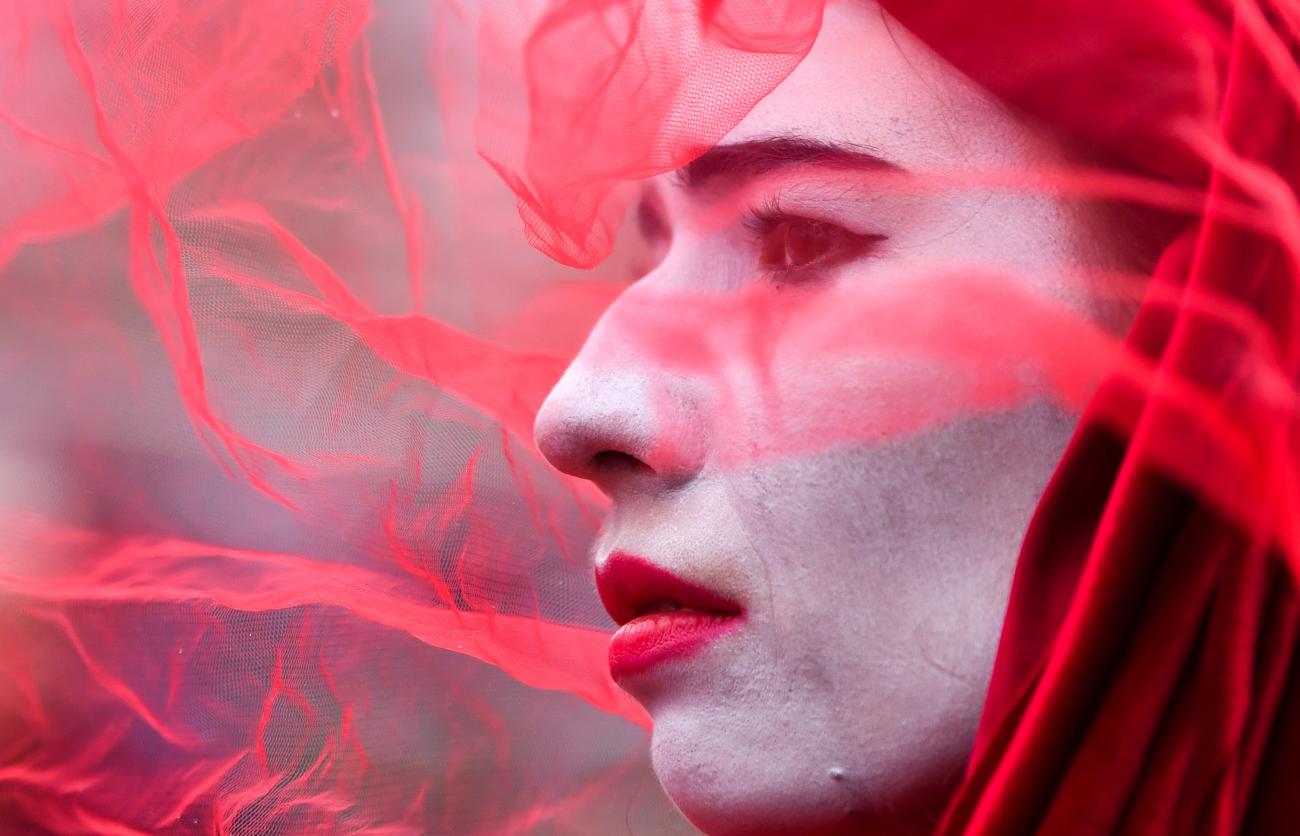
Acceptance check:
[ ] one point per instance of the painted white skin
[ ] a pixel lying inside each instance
(875, 577)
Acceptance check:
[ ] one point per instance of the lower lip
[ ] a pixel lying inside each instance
(648, 640)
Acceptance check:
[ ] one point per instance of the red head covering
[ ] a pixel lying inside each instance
(1147, 679)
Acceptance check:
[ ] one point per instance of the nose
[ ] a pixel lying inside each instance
(618, 420)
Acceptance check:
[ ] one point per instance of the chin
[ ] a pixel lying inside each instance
(719, 801)
(761, 781)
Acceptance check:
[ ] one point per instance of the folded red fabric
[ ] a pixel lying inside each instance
(1147, 678)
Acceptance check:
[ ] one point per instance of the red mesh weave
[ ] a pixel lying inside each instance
(278, 553)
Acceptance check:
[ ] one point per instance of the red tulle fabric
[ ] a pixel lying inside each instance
(278, 553)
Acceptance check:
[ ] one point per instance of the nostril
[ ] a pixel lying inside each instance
(612, 433)
(612, 461)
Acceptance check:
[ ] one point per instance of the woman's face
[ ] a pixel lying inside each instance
(833, 601)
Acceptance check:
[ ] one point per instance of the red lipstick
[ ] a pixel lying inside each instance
(660, 615)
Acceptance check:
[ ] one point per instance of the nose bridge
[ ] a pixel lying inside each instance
(617, 397)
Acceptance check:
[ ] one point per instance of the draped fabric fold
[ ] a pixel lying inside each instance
(1147, 677)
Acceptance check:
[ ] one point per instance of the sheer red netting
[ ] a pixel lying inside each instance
(278, 552)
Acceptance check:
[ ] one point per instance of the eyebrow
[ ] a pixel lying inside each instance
(739, 161)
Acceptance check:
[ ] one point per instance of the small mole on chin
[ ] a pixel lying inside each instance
(836, 773)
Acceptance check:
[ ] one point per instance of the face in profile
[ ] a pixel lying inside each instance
(811, 616)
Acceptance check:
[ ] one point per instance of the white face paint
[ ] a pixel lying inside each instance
(874, 578)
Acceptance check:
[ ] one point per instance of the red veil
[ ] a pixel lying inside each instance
(277, 550)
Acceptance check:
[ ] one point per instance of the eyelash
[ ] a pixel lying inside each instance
(772, 227)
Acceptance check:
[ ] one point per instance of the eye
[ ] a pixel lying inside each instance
(790, 243)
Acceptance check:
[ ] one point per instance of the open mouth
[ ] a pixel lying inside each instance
(660, 615)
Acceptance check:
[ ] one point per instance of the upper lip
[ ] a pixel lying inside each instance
(630, 586)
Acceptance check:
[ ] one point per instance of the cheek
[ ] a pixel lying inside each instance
(897, 558)
(890, 351)
(1044, 243)
(808, 402)
(879, 581)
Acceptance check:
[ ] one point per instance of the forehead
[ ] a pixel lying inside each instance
(869, 81)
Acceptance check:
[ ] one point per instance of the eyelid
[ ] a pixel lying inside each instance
(817, 208)
(770, 216)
